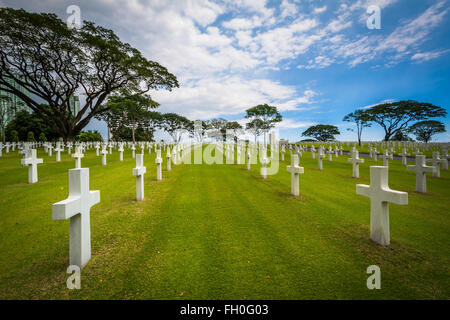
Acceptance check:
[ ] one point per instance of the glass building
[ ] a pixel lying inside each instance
(14, 103)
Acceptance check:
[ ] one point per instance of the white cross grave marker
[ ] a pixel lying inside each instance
(158, 162)
(58, 150)
(320, 157)
(139, 172)
(436, 161)
(295, 170)
(78, 155)
(355, 161)
(421, 169)
(31, 161)
(386, 157)
(168, 159)
(380, 195)
(404, 157)
(77, 208)
(121, 152)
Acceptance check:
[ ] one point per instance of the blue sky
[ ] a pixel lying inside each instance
(315, 60)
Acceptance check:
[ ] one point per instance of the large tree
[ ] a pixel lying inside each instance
(174, 124)
(199, 129)
(361, 119)
(424, 130)
(322, 132)
(216, 127)
(132, 109)
(232, 130)
(53, 62)
(396, 116)
(149, 124)
(262, 118)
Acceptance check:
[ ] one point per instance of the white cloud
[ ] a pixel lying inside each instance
(320, 10)
(375, 104)
(294, 124)
(230, 95)
(288, 9)
(426, 56)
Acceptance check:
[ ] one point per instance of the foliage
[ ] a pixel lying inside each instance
(174, 125)
(25, 122)
(90, 136)
(262, 118)
(322, 132)
(199, 129)
(362, 120)
(132, 110)
(401, 135)
(42, 137)
(53, 62)
(424, 130)
(396, 116)
(30, 137)
(14, 136)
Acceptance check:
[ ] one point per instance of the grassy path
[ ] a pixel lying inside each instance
(221, 232)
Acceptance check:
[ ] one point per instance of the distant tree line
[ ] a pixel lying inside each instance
(397, 119)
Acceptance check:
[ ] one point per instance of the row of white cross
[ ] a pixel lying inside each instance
(77, 206)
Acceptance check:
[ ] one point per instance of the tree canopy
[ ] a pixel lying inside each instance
(24, 122)
(396, 116)
(131, 110)
(361, 119)
(262, 118)
(89, 136)
(174, 124)
(322, 132)
(424, 130)
(40, 53)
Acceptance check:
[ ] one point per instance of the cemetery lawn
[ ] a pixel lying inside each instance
(222, 232)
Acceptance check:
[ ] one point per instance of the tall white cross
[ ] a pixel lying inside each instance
(49, 149)
(31, 161)
(436, 161)
(320, 157)
(264, 162)
(386, 157)
(158, 162)
(121, 152)
(374, 155)
(355, 161)
(404, 157)
(58, 150)
(168, 159)
(77, 208)
(104, 153)
(380, 195)
(421, 169)
(139, 172)
(78, 155)
(295, 170)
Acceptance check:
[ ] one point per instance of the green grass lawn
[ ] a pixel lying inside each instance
(222, 232)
